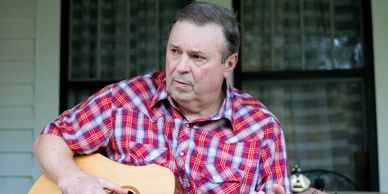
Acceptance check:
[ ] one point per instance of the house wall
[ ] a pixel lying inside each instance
(29, 66)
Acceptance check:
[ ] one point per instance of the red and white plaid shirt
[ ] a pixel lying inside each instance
(239, 150)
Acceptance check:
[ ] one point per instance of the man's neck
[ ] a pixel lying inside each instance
(196, 109)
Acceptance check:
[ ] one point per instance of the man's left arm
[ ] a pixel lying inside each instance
(273, 161)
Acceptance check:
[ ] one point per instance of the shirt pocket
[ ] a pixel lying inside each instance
(222, 178)
(143, 154)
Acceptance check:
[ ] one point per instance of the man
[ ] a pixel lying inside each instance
(213, 137)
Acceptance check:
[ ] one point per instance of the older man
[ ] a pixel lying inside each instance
(213, 137)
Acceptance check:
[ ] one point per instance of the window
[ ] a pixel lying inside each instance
(308, 62)
(107, 41)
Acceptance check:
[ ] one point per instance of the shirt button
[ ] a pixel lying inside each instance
(186, 183)
(181, 153)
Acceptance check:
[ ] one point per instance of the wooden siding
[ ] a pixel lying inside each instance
(22, 112)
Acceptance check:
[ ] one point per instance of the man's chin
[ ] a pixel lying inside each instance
(181, 97)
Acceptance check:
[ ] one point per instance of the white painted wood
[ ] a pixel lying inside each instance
(15, 164)
(16, 140)
(17, 28)
(47, 66)
(15, 185)
(17, 72)
(16, 95)
(47, 62)
(17, 8)
(15, 172)
(29, 69)
(17, 50)
(12, 117)
(380, 44)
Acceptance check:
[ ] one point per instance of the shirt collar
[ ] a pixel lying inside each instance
(161, 92)
(226, 110)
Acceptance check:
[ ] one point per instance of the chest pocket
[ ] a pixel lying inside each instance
(222, 177)
(143, 154)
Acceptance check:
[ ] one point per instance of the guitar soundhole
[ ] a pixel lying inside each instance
(131, 190)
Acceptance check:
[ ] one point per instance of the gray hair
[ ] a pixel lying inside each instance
(202, 13)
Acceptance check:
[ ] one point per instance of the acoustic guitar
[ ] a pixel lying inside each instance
(152, 179)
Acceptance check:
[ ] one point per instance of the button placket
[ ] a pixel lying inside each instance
(182, 146)
(182, 151)
(186, 183)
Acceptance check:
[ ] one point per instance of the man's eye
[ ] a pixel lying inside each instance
(174, 51)
(198, 57)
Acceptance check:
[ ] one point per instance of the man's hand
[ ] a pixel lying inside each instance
(57, 162)
(276, 189)
(85, 184)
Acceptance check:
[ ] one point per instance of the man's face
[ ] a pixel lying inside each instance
(193, 61)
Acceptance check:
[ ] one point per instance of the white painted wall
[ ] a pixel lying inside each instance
(380, 44)
(29, 85)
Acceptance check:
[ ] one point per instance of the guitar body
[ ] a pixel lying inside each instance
(151, 179)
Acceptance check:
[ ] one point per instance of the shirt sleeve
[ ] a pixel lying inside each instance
(87, 126)
(273, 159)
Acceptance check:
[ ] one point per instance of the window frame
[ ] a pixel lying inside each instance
(366, 74)
(65, 84)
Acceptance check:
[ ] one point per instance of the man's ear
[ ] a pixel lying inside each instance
(230, 64)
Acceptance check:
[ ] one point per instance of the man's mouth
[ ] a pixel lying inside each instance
(181, 83)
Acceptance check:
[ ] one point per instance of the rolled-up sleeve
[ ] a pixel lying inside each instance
(273, 159)
(86, 127)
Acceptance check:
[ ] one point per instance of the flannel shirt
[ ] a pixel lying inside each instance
(239, 150)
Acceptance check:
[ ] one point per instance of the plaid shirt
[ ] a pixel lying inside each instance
(239, 150)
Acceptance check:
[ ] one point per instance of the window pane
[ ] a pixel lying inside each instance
(75, 96)
(300, 35)
(83, 36)
(324, 122)
(113, 40)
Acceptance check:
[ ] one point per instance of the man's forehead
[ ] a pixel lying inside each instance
(185, 32)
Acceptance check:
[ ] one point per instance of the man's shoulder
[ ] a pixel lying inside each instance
(139, 88)
(243, 99)
(154, 78)
(253, 116)
(246, 106)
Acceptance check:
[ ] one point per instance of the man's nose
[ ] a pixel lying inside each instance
(183, 65)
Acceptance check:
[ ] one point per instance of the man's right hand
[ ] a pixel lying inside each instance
(56, 162)
(83, 183)
(276, 189)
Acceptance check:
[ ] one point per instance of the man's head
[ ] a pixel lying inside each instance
(202, 51)
(201, 13)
